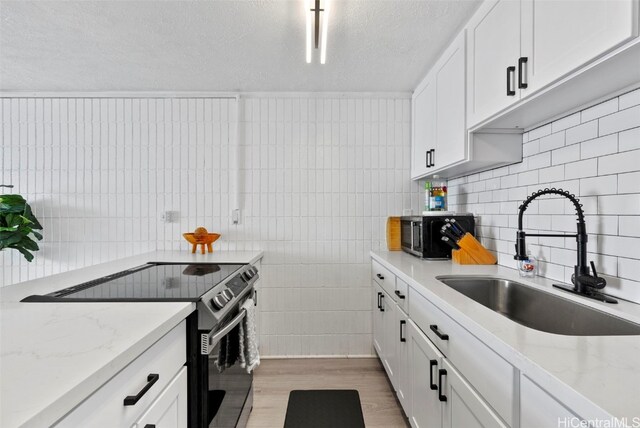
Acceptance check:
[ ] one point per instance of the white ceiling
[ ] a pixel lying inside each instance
(238, 45)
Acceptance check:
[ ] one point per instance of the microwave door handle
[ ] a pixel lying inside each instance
(208, 341)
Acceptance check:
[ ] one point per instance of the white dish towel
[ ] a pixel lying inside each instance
(249, 356)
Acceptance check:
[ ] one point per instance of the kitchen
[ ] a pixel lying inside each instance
(123, 129)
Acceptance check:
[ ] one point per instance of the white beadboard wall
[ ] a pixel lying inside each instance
(319, 176)
(594, 154)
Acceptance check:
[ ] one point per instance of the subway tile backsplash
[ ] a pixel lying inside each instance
(319, 176)
(594, 154)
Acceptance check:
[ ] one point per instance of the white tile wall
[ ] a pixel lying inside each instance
(319, 177)
(596, 155)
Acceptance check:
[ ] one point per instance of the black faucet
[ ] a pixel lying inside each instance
(584, 283)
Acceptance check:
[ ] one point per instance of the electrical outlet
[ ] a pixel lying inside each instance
(169, 216)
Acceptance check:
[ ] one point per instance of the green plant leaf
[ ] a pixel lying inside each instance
(29, 215)
(8, 229)
(12, 238)
(27, 255)
(29, 243)
(37, 235)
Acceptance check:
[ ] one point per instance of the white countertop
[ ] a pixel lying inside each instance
(597, 376)
(54, 355)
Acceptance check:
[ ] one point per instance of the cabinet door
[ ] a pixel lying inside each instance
(464, 407)
(539, 409)
(169, 410)
(424, 126)
(493, 45)
(378, 328)
(562, 35)
(451, 129)
(390, 340)
(402, 361)
(424, 363)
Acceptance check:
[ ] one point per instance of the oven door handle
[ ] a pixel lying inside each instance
(209, 340)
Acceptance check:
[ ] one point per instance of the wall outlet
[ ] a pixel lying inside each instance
(169, 216)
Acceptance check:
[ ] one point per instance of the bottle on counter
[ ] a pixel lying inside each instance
(437, 194)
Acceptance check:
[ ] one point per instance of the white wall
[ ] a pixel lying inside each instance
(594, 154)
(319, 177)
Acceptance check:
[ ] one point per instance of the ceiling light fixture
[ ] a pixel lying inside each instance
(313, 19)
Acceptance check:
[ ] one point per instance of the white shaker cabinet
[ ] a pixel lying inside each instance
(389, 350)
(451, 125)
(560, 36)
(403, 380)
(424, 363)
(493, 50)
(439, 125)
(377, 321)
(423, 124)
(533, 399)
(169, 410)
(463, 406)
(518, 47)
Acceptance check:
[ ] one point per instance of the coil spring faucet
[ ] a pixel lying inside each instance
(584, 283)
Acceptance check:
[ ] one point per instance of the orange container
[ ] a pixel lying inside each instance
(393, 234)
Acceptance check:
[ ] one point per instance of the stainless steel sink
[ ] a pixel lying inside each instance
(538, 309)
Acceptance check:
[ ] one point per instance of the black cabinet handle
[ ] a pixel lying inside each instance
(380, 276)
(442, 336)
(255, 297)
(131, 400)
(379, 294)
(150, 426)
(402, 338)
(399, 294)
(511, 70)
(441, 374)
(381, 302)
(521, 83)
(432, 364)
(426, 155)
(433, 157)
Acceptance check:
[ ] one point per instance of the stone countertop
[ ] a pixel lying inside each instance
(54, 355)
(598, 377)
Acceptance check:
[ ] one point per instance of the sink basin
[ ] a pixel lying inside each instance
(539, 310)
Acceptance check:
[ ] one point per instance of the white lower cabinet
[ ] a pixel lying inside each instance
(403, 383)
(424, 362)
(538, 408)
(169, 410)
(152, 385)
(463, 406)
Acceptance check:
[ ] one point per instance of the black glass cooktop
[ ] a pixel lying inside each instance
(151, 282)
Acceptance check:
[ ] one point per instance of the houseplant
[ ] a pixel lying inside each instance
(17, 225)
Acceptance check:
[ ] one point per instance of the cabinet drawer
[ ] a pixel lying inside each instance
(402, 295)
(384, 277)
(490, 374)
(170, 409)
(105, 407)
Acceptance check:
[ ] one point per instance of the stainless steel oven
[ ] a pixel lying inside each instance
(215, 399)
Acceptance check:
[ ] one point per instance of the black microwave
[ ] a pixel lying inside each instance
(420, 235)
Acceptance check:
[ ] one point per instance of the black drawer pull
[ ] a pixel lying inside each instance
(399, 294)
(511, 70)
(441, 374)
(379, 294)
(402, 338)
(131, 400)
(150, 426)
(521, 83)
(381, 302)
(442, 336)
(380, 276)
(432, 364)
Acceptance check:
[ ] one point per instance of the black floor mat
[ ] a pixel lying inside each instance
(324, 408)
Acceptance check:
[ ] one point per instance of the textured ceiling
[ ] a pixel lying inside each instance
(235, 45)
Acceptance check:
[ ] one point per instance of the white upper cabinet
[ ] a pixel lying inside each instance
(516, 48)
(451, 129)
(493, 51)
(423, 123)
(560, 36)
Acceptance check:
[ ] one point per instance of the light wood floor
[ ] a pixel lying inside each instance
(274, 379)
